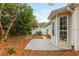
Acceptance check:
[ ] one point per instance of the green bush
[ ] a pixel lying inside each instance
(11, 51)
(38, 33)
(23, 19)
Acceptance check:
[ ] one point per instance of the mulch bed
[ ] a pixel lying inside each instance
(37, 36)
(20, 42)
(16, 42)
(40, 36)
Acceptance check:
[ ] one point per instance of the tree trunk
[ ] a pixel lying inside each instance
(8, 30)
(5, 33)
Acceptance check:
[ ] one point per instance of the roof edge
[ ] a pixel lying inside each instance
(53, 13)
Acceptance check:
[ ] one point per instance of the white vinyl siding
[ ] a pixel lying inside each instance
(53, 37)
(77, 28)
(73, 30)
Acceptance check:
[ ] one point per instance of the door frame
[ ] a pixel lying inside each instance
(67, 28)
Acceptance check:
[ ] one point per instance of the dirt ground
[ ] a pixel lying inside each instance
(20, 42)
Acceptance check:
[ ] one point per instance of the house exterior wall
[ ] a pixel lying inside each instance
(77, 28)
(57, 29)
(73, 30)
(53, 37)
(70, 28)
(65, 44)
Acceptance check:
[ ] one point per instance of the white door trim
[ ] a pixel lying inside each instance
(67, 27)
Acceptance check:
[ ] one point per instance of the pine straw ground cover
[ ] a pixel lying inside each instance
(20, 42)
(40, 36)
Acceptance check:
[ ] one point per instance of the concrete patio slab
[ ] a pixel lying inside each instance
(42, 44)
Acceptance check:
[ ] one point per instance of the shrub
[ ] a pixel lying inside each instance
(11, 51)
(38, 33)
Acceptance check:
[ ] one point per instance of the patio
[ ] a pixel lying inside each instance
(42, 44)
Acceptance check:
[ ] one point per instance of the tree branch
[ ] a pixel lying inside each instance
(11, 24)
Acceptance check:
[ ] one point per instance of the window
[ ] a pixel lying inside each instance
(63, 28)
(53, 29)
